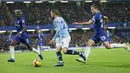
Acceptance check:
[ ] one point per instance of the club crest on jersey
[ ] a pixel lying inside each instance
(17, 24)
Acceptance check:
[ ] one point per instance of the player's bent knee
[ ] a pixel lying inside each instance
(13, 43)
(65, 50)
(107, 45)
(90, 43)
(58, 49)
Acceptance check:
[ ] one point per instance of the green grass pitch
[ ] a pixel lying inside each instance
(99, 61)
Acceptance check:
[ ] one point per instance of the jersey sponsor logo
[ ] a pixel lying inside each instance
(17, 25)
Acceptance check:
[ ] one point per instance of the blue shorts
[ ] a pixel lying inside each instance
(109, 39)
(23, 39)
(97, 38)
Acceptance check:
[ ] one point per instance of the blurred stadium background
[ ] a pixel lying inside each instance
(37, 14)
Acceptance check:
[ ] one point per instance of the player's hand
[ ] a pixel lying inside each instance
(105, 27)
(52, 42)
(18, 34)
(75, 23)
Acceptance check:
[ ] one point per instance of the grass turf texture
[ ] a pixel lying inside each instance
(99, 61)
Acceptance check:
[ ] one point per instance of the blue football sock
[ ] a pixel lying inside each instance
(72, 52)
(59, 55)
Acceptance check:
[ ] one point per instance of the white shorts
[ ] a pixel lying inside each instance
(58, 42)
(63, 42)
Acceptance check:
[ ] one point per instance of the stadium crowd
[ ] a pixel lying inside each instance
(72, 11)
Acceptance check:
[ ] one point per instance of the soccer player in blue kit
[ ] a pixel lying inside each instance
(62, 38)
(21, 36)
(109, 35)
(9, 37)
(100, 33)
(40, 41)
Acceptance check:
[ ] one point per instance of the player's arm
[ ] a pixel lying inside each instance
(82, 23)
(58, 29)
(23, 28)
(52, 32)
(105, 18)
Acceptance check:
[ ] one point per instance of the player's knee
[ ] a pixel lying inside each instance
(13, 43)
(58, 49)
(90, 43)
(108, 47)
(64, 50)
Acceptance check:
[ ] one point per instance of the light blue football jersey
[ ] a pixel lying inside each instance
(61, 27)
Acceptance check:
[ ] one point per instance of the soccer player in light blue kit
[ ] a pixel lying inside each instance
(21, 36)
(62, 38)
(100, 33)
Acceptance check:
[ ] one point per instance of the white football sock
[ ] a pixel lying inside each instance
(115, 45)
(35, 50)
(87, 52)
(12, 51)
(39, 49)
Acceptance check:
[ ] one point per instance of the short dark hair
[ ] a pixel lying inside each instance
(56, 12)
(95, 6)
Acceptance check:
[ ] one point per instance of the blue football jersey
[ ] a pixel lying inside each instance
(40, 39)
(98, 23)
(19, 23)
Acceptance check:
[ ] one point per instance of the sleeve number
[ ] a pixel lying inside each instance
(103, 38)
(101, 21)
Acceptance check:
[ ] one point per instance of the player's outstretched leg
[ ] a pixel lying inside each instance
(124, 45)
(115, 45)
(72, 52)
(35, 50)
(39, 50)
(87, 51)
